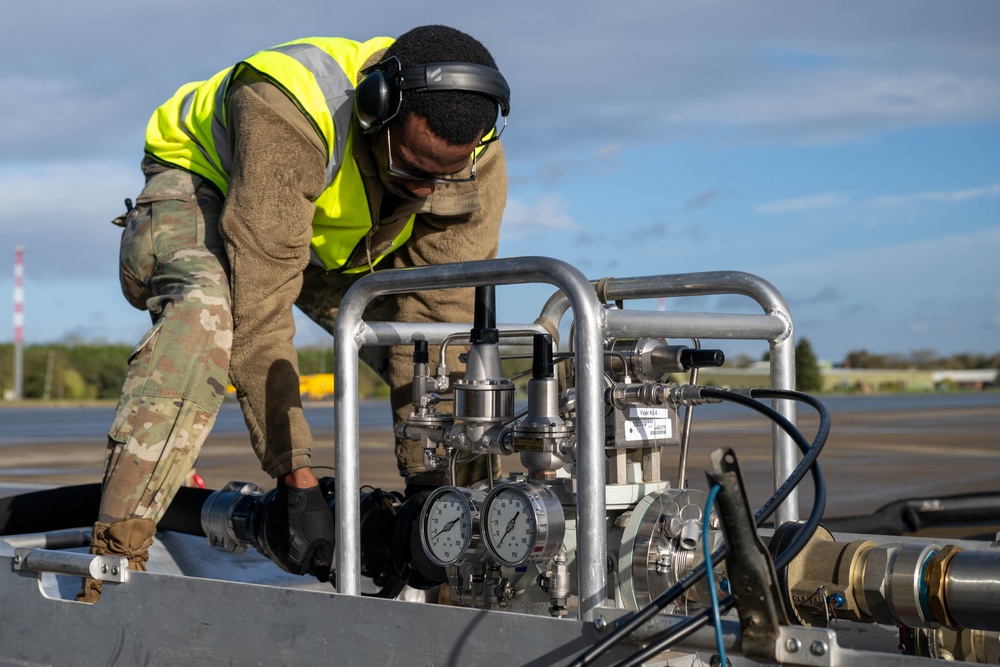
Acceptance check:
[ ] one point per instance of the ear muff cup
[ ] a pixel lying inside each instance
(371, 101)
(378, 97)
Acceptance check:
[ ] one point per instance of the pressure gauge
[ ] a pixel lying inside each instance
(449, 525)
(523, 522)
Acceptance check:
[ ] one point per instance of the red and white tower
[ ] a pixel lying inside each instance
(18, 323)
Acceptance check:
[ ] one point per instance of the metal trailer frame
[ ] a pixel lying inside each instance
(165, 619)
(157, 618)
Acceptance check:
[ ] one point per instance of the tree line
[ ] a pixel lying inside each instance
(95, 371)
(926, 359)
(809, 377)
(80, 371)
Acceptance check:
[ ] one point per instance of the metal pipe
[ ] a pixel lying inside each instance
(350, 332)
(785, 455)
(686, 429)
(636, 323)
(68, 538)
(681, 284)
(435, 333)
(972, 589)
(105, 568)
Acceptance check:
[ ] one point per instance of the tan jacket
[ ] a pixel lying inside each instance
(278, 172)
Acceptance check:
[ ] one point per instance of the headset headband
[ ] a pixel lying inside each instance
(380, 93)
(469, 77)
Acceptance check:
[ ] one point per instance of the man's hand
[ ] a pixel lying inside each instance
(300, 531)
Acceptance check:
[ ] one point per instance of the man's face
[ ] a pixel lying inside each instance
(414, 152)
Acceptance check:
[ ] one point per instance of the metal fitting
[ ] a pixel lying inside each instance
(907, 584)
(937, 573)
(876, 583)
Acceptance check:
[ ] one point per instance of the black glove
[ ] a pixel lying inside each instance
(300, 531)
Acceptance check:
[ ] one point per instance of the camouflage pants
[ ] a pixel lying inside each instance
(173, 263)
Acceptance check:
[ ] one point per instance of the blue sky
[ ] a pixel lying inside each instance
(847, 152)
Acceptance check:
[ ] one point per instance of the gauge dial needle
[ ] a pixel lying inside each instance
(510, 527)
(448, 526)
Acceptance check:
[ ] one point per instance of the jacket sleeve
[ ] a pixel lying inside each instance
(439, 240)
(278, 171)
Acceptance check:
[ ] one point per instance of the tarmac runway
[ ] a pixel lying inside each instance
(876, 453)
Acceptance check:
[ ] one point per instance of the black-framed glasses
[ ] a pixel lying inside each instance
(398, 173)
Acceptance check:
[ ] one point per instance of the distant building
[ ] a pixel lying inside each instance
(862, 380)
(977, 378)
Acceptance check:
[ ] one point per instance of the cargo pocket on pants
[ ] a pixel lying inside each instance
(135, 385)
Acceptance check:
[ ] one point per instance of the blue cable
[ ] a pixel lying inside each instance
(710, 575)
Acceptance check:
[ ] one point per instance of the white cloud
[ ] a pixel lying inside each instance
(800, 204)
(911, 295)
(63, 195)
(546, 213)
(915, 269)
(608, 151)
(939, 196)
(60, 118)
(62, 214)
(664, 69)
(832, 104)
(830, 200)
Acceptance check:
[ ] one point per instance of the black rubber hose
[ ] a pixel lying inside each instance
(808, 462)
(77, 506)
(978, 513)
(802, 536)
(810, 454)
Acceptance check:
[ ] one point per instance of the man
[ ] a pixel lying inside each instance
(275, 183)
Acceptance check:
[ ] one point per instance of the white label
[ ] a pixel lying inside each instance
(648, 424)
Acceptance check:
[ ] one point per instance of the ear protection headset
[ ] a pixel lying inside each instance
(378, 96)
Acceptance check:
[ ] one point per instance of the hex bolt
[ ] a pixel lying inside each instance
(818, 648)
(600, 624)
(792, 645)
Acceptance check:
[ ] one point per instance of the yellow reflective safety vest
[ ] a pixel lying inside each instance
(319, 75)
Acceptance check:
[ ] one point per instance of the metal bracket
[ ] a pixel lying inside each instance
(113, 569)
(751, 571)
(814, 647)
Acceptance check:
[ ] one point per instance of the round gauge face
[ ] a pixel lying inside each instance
(447, 528)
(510, 525)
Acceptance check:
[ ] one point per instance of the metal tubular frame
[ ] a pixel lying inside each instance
(593, 324)
(775, 326)
(350, 332)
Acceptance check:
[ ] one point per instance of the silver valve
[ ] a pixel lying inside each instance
(653, 359)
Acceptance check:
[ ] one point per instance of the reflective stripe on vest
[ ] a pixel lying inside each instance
(189, 131)
(318, 75)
